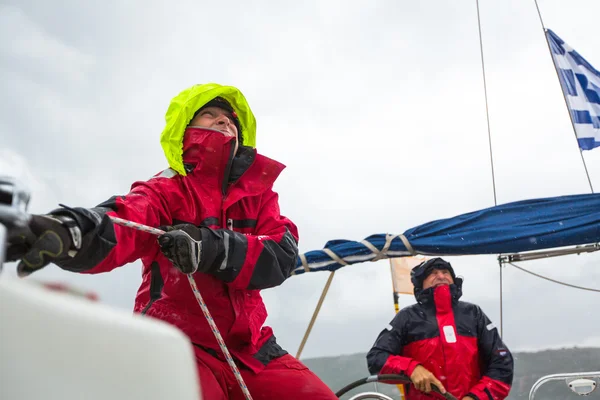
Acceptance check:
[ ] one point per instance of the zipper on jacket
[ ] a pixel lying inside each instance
(225, 185)
(230, 224)
(440, 330)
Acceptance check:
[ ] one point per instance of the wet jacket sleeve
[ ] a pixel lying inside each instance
(497, 362)
(263, 259)
(384, 357)
(107, 246)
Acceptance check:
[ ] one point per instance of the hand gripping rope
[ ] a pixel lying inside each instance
(209, 318)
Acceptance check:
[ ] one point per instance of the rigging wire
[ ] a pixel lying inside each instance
(554, 280)
(487, 115)
(564, 96)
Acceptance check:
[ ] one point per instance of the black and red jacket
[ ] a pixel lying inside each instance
(452, 339)
(253, 246)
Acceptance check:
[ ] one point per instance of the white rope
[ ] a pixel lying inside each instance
(379, 254)
(201, 303)
(304, 262)
(383, 253)
(407, 245)
(334, 256)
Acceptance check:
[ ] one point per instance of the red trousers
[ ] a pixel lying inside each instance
(283, 378)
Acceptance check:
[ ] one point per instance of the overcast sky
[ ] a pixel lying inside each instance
(376, 107)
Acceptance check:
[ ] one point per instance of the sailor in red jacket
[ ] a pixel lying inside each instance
(223, 225)
(443, 341)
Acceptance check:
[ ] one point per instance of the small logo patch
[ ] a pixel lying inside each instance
(449, 333)
(502, 352)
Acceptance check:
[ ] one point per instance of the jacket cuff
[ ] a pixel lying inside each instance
(87, 219)
(489, 389)
(411, 367)
(399, 365)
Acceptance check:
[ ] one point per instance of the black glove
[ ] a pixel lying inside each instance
(45, 239)
(182, 245)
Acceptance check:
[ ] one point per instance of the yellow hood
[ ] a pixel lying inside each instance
(182, 110)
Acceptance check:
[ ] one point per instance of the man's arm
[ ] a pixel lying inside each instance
(105, 245)
(256, 261)
(497, 362)
(271, 253)
(260, 260)
(384, 358)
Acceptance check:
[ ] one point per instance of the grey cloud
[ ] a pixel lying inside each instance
(376, 109)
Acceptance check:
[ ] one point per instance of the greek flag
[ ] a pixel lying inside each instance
(581, 86)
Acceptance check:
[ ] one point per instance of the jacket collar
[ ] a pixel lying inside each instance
(440, 297)
(208, 155)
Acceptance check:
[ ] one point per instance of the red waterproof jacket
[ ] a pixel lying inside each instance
(250, 245)
(452, 339)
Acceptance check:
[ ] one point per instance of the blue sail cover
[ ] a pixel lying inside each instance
(526, 225)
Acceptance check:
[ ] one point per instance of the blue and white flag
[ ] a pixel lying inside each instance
(581, 86)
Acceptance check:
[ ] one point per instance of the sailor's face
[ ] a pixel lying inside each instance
(438, 277)
(216, 118)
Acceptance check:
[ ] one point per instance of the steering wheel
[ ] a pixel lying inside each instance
(398, 378)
